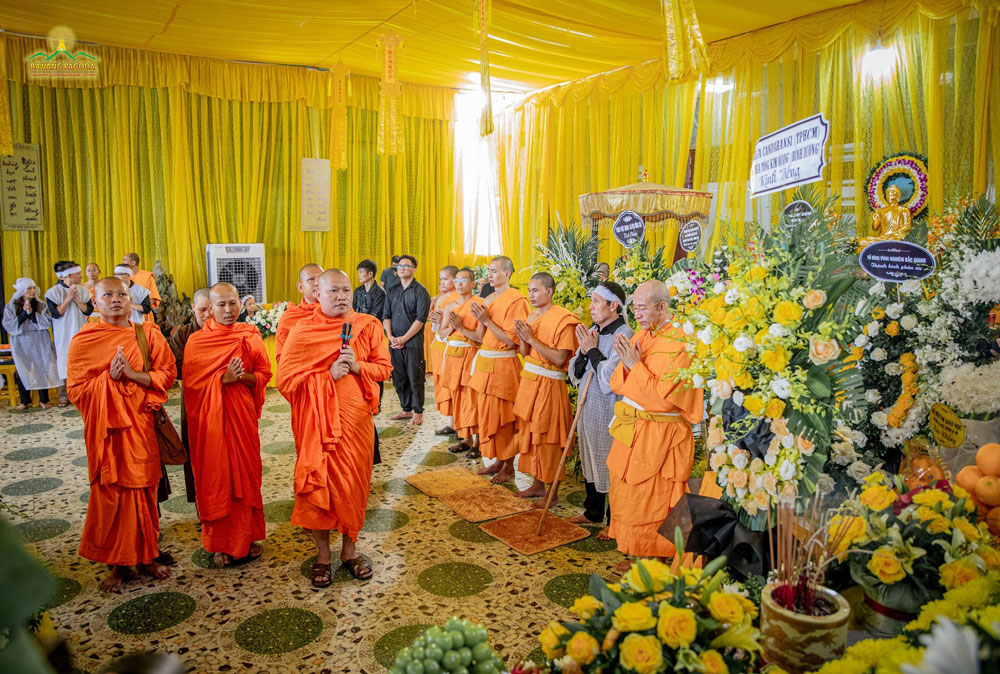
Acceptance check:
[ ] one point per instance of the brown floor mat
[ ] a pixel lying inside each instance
(445, 481)
(485, 503)
(519, 532)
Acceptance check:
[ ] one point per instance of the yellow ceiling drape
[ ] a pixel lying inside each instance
(155, 165)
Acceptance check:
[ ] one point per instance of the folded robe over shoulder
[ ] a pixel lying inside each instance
(223, 434)
(293, 314)
(650, 472)
(332, 420)
(123, 459)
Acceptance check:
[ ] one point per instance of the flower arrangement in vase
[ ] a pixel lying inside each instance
(266, 320)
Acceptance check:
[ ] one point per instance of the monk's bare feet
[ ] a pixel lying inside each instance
(116, 576)
(579, 519)
(256, 550)
(505, 474)
(156, 570)
(604, 534)
(491, 469)
(221, 559)
(400, 416)
(536, 490)
(623, 566)
(540, 503)
(417, 419)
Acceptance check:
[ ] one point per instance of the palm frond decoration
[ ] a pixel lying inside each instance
(570, 257)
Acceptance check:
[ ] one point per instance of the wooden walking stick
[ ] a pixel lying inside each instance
(565, 453)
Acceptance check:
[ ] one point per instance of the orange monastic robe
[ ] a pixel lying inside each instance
(293, 314)
(496, 376)
(332, 420)
(542, 407)
(434, 355)
(123, 461)
(653, 449)
(223, 437)
(456, 369)
(148, 281)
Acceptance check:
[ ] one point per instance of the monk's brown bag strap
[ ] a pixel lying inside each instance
(172, 450)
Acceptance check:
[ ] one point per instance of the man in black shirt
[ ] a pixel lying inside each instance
(369, 298)
(406, 309)
(389, 278)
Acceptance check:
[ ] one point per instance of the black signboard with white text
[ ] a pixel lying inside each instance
(896, 261)
(629, 229)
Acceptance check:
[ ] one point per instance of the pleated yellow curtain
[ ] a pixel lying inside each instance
(164, 161)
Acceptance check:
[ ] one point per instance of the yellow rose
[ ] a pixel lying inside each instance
(583, 648)
(725, 608)
(641, 654)
(845, 530)
(775, 408)
(788, 313)
(586, 606)
(814, 299)
(658, 571)
(749, 608)
(991, 556)
(549, 639)
(677, 626)
(775, 359)
(735, 322)
(958, 573)
(936, 523)
(886, 567)
(878, 497)
(633, 617)
(822, 351)
(754, 405)
(744, 380)
(713, 663)
(718, 316)
(968, 530)
(931, 497)
(892, 329)
(753, 309)
(878, 313)
(757, 273)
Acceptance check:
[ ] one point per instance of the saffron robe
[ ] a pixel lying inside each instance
(495, 380)
(332, 420)
(123, 461)
(223, 434)
(653, 448)
(456, 370)
(148, 281)
(542, 408)
(434, 348)
(293, 314)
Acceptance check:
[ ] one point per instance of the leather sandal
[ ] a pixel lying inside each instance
(459, 448)
(358, 568)
(321, 575)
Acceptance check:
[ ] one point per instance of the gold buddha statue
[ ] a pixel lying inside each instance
(892, 222)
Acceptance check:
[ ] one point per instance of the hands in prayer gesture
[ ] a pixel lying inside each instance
(630, 355)
(233, 372)
(120, 366)
(435, 316)
(454, 321)
(480, 313)
(523, 331)
(586, 338)
(26, 306)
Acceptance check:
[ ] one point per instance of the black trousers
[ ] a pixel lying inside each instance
(25, 394)
(594, 508)
(408, 377)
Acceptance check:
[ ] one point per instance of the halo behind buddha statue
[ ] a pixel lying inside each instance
(897, 196)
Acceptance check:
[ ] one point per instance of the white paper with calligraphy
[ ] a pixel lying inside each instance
(20, 178)
(789, 157)
(315, 195)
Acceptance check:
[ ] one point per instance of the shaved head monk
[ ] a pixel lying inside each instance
(226, 374)
(435, 345)
(460, 331)
(332, 363)
(115, 392)
(496, 371)
(653, 449)
(308, 287)
(144, 278)
(544, 416)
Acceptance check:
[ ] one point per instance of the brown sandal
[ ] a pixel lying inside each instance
(459, 447)
(319, 573)
(359, 568)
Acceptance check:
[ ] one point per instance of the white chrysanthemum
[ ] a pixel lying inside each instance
(688, 328)
(948, 649)
(698, 381)
(719, 288)
(742, 343)
(970, 388)
(777, 330)
(732, 295)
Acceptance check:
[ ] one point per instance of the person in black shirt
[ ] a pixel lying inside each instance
(369, 297)
(406, 309)
(390, 278)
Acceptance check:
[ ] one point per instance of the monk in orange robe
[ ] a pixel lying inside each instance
(308, 287)
(435, 345)
(115, 396)
(497, 370)
(460, 330)
(332, 387)
(544, 415)
(653, 448)
(226, 374)
(143, 278)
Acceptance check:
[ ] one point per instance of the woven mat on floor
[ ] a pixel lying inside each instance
(485, 503)
(519, 532)
(445, 481)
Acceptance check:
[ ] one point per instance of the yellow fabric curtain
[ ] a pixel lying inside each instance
(583, 138)
(163, 160)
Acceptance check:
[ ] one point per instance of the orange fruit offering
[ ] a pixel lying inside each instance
(968, 477)
(988, 490)
(993, 521)
(988, 459)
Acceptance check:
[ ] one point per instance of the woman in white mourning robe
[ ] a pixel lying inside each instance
(27, 320)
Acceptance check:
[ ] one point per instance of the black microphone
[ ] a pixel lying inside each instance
(345, 336)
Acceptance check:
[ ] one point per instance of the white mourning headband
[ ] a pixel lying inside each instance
(66, 272)
(609, 296)
(123, 269)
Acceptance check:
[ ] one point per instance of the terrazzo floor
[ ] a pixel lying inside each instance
(264, 616)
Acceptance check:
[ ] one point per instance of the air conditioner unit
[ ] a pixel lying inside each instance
(241, 264)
